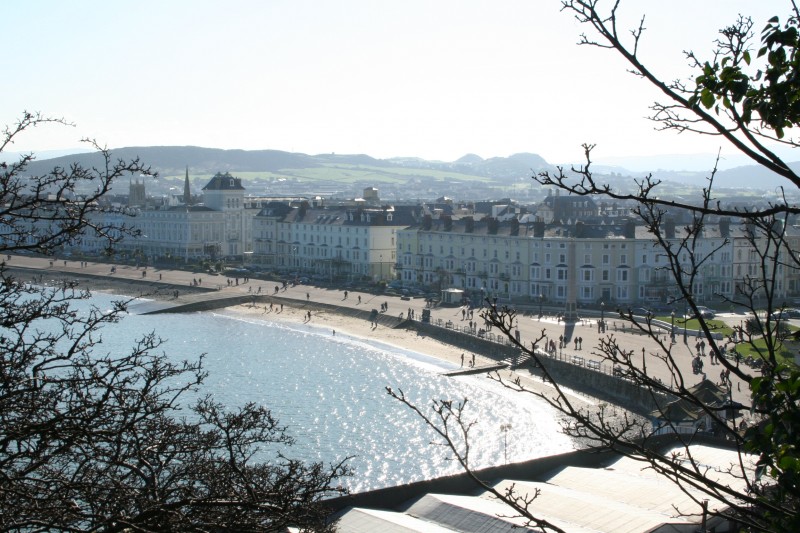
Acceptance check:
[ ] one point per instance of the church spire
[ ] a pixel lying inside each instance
(187, 194)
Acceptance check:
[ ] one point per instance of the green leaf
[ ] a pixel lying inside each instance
(706, 98)
(788, 463)
(746, 56)
(726, 102)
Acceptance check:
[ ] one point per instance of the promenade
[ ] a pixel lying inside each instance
(646, 352)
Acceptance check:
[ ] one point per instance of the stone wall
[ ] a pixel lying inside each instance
(617, 390)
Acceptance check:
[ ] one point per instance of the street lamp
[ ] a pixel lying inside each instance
(685, 320)
(541, 301)
(603, 316)
(644, 363)
(505, 428)
(672, 329)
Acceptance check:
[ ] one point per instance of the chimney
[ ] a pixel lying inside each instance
(580, 230)
(427, 222)
(492, 225)
(469, 224)
(749, 230)
(515, 226)
(447, 220)
(725, 227)
(669, 228)
(538, 228)
(630, 229)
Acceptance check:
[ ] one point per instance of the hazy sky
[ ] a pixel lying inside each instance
(435, 79)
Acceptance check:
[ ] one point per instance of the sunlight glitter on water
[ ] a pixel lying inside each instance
(330, 392)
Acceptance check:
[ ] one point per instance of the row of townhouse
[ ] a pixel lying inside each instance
(352, 242)
(513, 254)
(357, 242)
(526, 261)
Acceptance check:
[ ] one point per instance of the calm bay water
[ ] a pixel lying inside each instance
(330, 392)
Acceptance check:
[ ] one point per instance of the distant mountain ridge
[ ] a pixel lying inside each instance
(173, 160)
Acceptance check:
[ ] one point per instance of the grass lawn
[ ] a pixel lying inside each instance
(784, 353)
(716, 326)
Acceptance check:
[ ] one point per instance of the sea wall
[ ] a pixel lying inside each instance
(595, 383)
(464, 484)
(534, 470)
(102, 282)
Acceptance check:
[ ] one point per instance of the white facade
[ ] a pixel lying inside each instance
(621, 265)
(354, 243)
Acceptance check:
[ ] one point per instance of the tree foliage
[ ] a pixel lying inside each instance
(94, 441)
(746, 94)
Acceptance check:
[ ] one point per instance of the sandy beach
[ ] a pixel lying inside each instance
(341, 324)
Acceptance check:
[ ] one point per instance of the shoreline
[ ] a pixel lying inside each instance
(402, 340)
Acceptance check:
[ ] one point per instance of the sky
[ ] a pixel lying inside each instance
(435, 79)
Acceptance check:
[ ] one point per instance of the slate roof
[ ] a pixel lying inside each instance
(224, 182)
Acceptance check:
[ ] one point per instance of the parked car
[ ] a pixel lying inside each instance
(705, 312)
(785, 314)
(641, 311)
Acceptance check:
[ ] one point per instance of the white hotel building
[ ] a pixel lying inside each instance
(526, 261)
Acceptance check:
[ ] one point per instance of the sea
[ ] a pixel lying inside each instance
(330, 391)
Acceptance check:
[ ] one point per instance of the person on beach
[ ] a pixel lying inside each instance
(462, 359)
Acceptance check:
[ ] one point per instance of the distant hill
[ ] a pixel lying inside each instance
(743, 177)
(173, 160)
(503, 169)
(470, 175)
